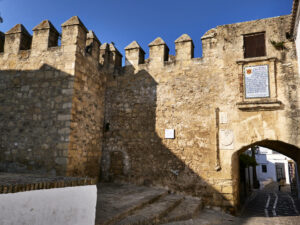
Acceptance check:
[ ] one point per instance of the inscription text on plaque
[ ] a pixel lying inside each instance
(256, 81)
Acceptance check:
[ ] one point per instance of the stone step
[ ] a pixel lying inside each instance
(114, 204)
(185, 222)
(187, 209)
(151, 214)
(208, 217)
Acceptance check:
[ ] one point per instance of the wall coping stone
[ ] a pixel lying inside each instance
(45, 25)
(74, 21)
(92, 35)
(183, 38)
(19, 28)
(104, 46)
(157, 41)
(14, 182)
(134, 45)
(113, 48)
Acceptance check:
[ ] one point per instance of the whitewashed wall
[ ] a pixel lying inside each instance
(269, 159)
(59, 206)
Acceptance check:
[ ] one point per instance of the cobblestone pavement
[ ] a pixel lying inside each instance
(267, 207)
(271, 206)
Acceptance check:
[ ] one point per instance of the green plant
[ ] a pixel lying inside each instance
(278, 45)
(247, 160)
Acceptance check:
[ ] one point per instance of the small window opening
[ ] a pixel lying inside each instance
(264, 168)
(89, 48)
(25, 42)
(106, 128)
(254, 45)
(166, 54)
(54, 39)
(1, 41)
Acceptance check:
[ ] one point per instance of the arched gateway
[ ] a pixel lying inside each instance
(179, 121)
(184, 121)
(291, 151)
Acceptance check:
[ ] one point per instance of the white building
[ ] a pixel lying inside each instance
(272, 165)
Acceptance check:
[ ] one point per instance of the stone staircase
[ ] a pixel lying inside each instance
(126, 204)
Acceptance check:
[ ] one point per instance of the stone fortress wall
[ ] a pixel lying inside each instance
(52, 100)
(65, 108)
(203, 100)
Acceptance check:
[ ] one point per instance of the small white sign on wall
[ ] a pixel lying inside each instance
(223, 117)
(169, 133)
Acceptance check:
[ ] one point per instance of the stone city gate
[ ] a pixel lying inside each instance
(278, 146)
(179, 121)
(184, 121)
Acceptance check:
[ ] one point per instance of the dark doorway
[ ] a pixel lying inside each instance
(116, 164)
(280, 171)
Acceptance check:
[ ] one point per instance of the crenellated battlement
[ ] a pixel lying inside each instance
(110, 57)
(17, 38)
(64, 107)
(134, 54)
(75, 37)
(159, 51)
(93, 45)
(48, 85)
(44, 36)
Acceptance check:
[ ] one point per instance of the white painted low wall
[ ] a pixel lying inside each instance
(58, 206)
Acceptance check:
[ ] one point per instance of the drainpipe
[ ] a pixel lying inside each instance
(218, 164)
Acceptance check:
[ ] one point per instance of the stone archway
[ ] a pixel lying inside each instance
(286, 149)
(116, 164)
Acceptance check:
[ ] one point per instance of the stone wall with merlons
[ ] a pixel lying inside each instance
(87, 112)
(203, 100)
(73, 110)
(51, 100)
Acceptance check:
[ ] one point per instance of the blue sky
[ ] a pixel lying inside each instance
(123, 21)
